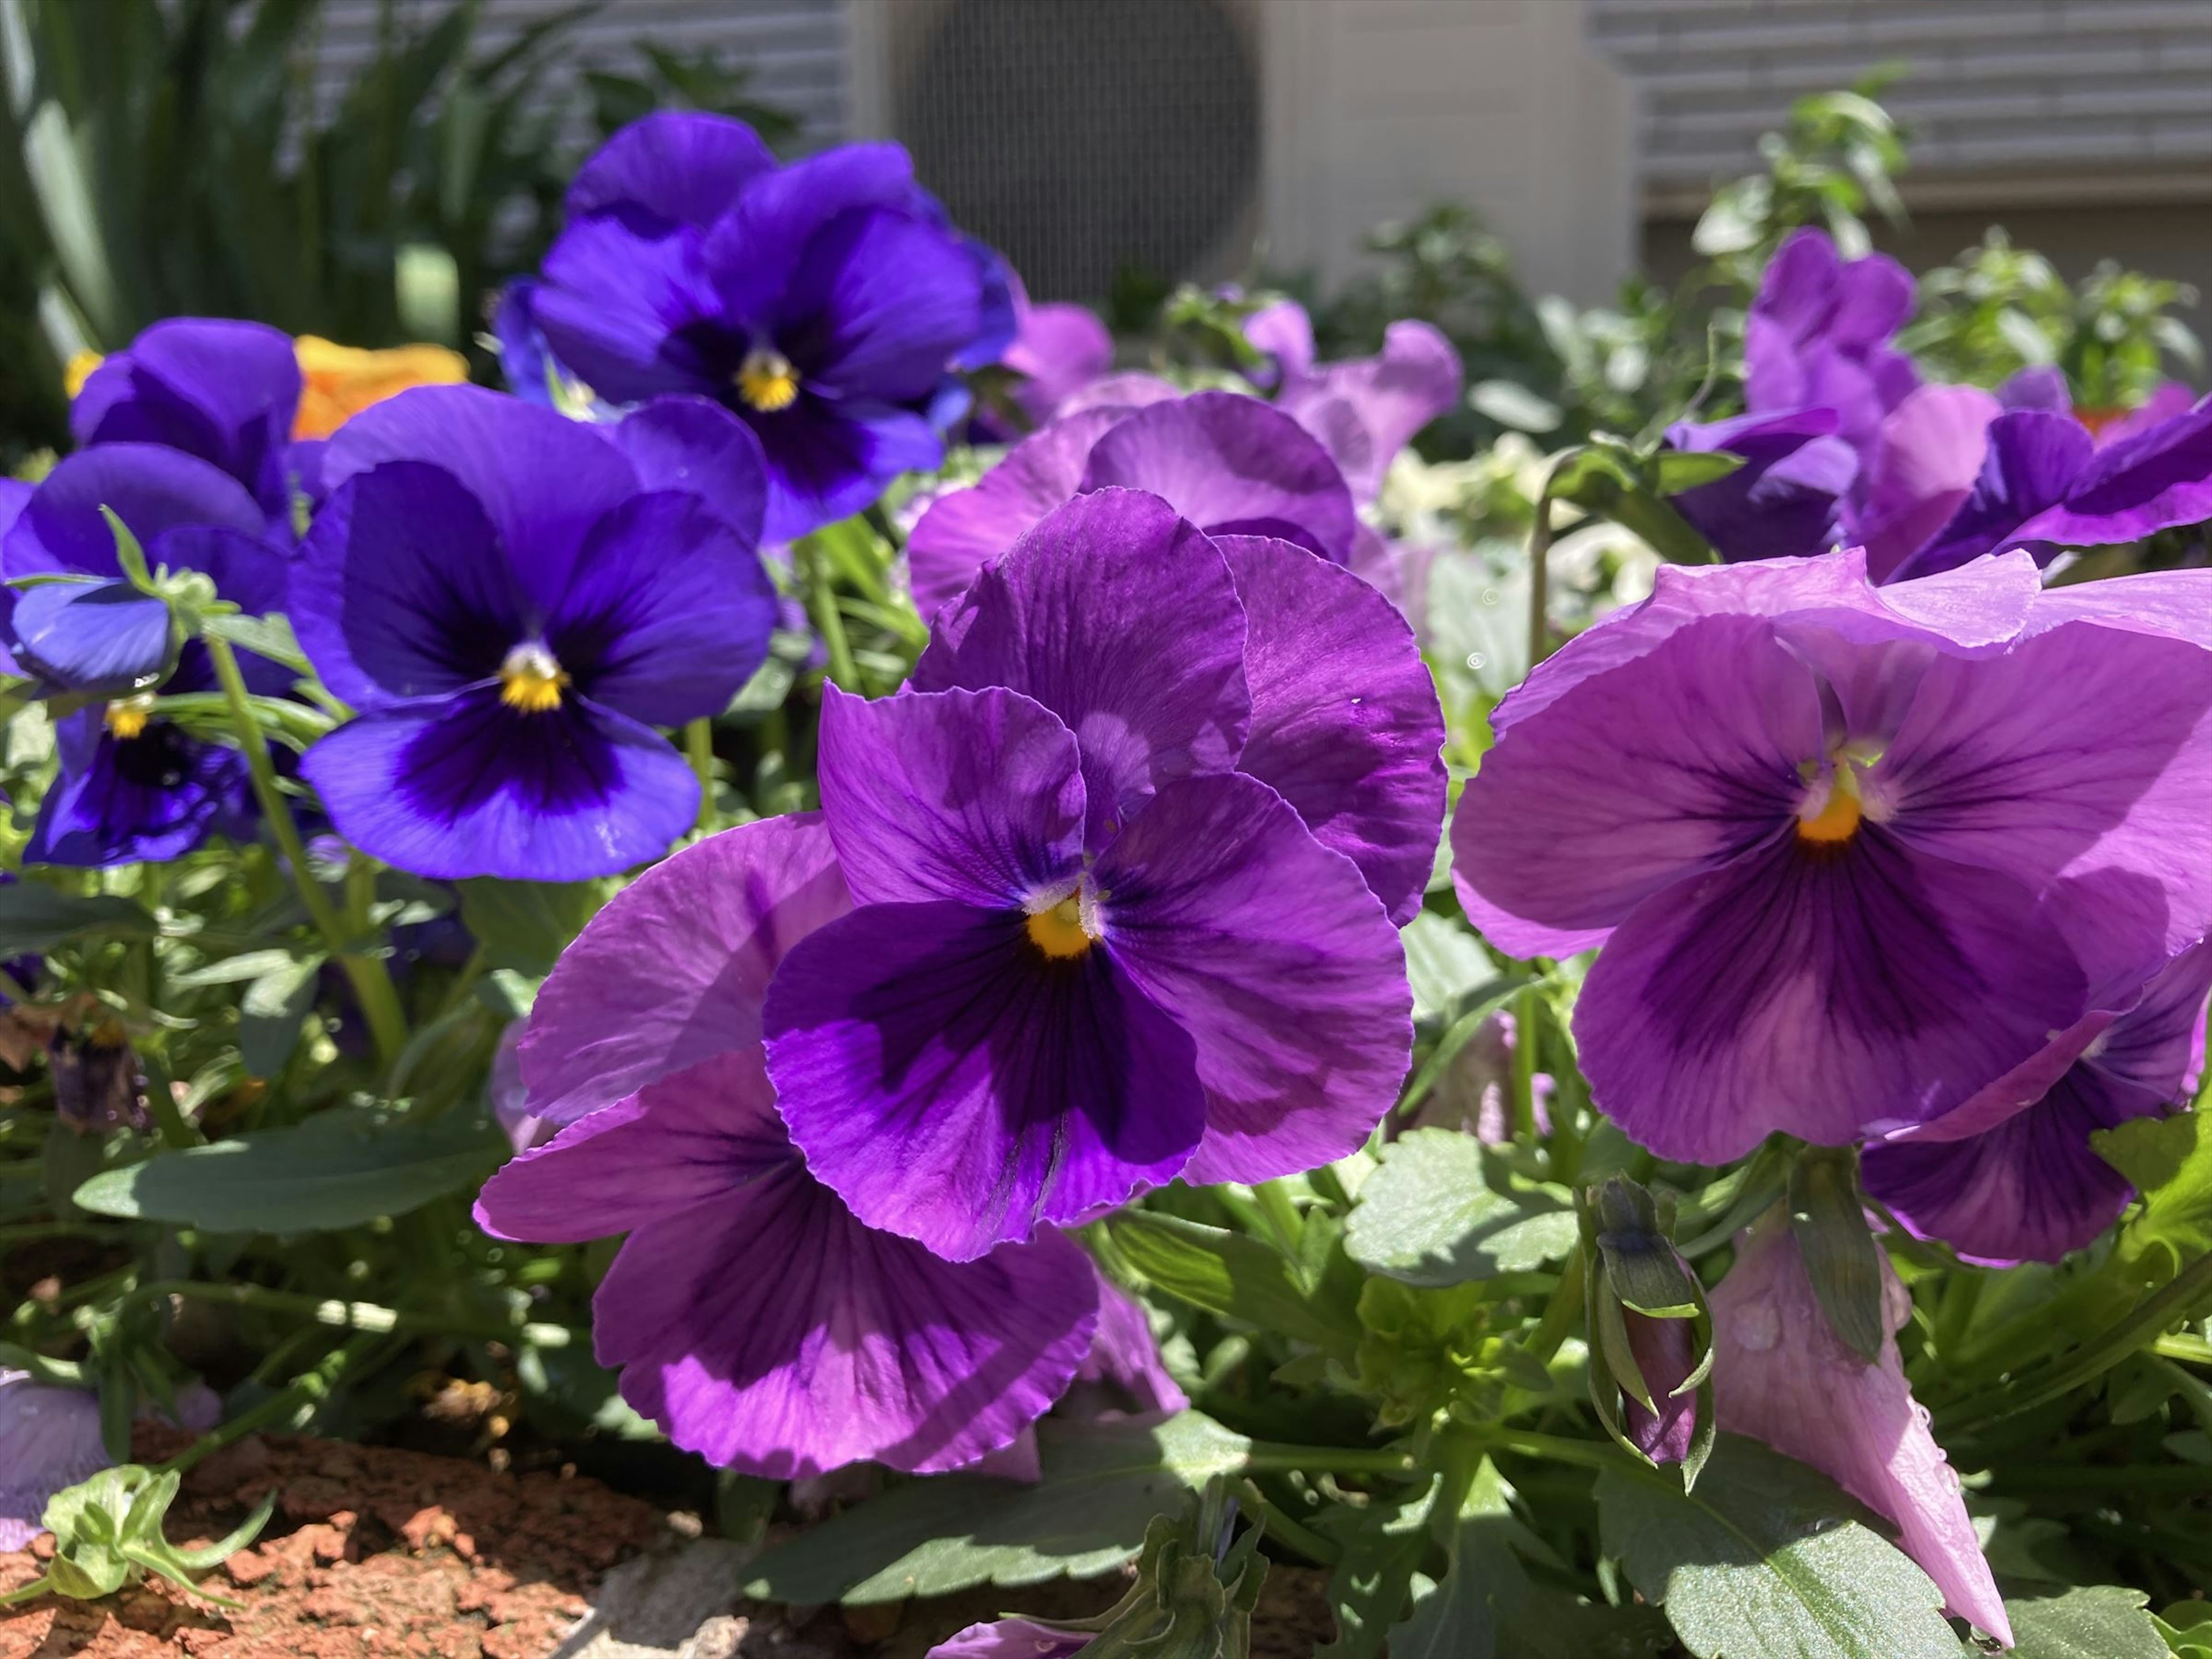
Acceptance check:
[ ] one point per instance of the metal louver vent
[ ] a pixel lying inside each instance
(1082, 139)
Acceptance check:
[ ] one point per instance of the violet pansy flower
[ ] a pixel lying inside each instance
(1363, 409)
(1782, 1374)
(1010, 1638)
(133, 785)
(826, 303)
(49, 1440)
(1787, 498)
(1087, 953)
(750, 1314)
(514, 601)
(2031, 1187)
(1057, 348)
(1819, 336)
(1230, 464)
(1855, 854)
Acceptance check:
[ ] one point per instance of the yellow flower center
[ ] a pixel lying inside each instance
(1838, 819)
(767, 380)
(127, 718)
(531, 680)
(1059, 931)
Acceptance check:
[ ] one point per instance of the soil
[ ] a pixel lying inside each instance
(378, 1552)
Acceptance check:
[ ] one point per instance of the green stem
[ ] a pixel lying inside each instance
(1284, 1530)
(2089, 1361)
(1560, 1311)
(1540, 568)
(372, 984)
(822, 605)
(1558, 1449)
(1266, 1454)
(1525, 1041)
(292, 1407)
(161, 1102)
(699, 750)
(367, 1317)
(2189, 1350)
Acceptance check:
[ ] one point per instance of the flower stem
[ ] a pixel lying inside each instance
(1556, 1448)
(367, 1317)
(1560, 1312)
(1284, 1530)
(699, 750)
(821, 605)
(372, 984)
(289, 1406)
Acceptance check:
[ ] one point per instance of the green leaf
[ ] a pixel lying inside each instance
(1432, 1216)
(1678, 470)
(1226, 1272)
(1768, 1558)
(1103, 1483)
(270, 1013)
(1443, 963)
(1512, 404)
(2091, 1621)
(340, 1168)
(1384, 1544)
(264, 636)
(35, 918)
(525, 925)
(2170, 1163)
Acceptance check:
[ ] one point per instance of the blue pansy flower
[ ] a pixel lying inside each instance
(514, 601)
(826, 304)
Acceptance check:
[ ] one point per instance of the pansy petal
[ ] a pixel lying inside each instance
(150, 488)
(1268, 949)
(752, 251)
(1133, 389)
(674, 970)
(666, 613)
(1819, 989)
(1646, 776)
(1072, 618)
(890, 299)
(1919, 470)
(1285, 332)
(2030, 1189)
(620, 308)
(223, 391)
(139, 800)
(2160, 476)
(2032, 462)
(1057, 348)
(828, 461)
(679, 165)
(964, 529)
(464, 786)
(955, 1084)
(1784, 500)
(1346, 725)
(700, 448)
(543, 480)
(1010, 1638)
(49, 1440)
(1781, 1374)
(102, 637)
(402, 589)
(1389, 399)
(2018, 764)
(967, 795)
(1232, 464)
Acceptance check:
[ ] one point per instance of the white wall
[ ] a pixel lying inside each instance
(1377, 108)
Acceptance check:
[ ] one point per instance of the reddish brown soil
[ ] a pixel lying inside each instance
(375, 1553)
(372, 1552)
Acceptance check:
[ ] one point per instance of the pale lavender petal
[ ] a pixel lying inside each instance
(1782, 1374)
(1010, 1638)
(1132, 390)
(1126, 1354)
(1346, 725)
(1648, 775)
(1268, 949)
(1073, 617)
(1919, 470)
(2032, 462)
(1285, 332)
(968, 795)
(954, 1084)
(1368, 409)
(675, 969)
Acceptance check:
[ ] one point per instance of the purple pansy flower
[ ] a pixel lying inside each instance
(1363, 409)
(1229, 463)
(1782, 1374)
(826, 303)
(2032, 1187)
(134, 786)
(514, 601)
(1787, 497)
(1855, 853)
(1819, 336)
(225, 391)
(1010, 1638)
(752, 1315)
(1088, 953)
(1057, 349)
(49, 1440)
